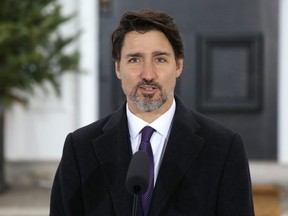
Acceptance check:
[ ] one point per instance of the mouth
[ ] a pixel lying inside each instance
(148, 89)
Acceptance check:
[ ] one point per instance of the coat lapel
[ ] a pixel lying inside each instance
(182, 149)
(113, 152)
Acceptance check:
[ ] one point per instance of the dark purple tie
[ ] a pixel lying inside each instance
(145, 146)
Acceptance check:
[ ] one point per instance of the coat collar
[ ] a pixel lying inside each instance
(182, 149)
(113, 149)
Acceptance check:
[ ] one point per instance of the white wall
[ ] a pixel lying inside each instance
(38, 131)
(88, 97)
(283, 84)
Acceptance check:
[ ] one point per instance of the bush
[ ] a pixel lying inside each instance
(31, 47)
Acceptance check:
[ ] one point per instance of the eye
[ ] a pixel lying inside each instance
(133, 60)
(160, 60)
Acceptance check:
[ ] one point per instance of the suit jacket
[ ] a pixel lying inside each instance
(204, 170)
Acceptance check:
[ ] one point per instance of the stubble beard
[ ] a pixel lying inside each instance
(147, 102)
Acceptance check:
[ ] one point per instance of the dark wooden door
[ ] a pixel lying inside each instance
(230, 67)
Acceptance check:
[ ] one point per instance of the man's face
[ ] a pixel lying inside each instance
(148, 71)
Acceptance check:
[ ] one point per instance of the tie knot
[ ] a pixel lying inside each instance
(147, 132)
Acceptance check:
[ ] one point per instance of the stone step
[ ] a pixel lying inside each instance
(20, 211)
(266, 200)
(25, 201)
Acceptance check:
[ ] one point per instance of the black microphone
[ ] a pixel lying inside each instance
(137, 178)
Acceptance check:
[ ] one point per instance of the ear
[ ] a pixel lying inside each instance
(117, 69)
(180, 64)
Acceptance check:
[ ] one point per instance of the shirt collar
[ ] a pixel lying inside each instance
(161, 124)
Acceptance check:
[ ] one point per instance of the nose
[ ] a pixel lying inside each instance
(148, 71)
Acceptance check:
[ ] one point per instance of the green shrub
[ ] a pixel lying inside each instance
(32, 48)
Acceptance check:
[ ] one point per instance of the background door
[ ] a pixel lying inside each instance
(230, 71)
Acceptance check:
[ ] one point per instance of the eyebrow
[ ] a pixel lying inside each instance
(158, 53)
(155, 53)
(137, 54)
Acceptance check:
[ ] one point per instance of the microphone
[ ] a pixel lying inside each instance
(137, 178)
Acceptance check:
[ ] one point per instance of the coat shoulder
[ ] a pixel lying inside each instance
(92, 131)
(203, 124)
(211, 126)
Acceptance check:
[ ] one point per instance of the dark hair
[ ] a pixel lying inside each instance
(143, 21)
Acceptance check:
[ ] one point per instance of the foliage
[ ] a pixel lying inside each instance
(32, 48)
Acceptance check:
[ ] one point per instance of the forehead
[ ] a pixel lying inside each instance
(146, 42)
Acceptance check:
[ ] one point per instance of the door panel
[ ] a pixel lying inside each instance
(230, 71)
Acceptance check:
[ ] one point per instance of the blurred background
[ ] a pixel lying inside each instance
(235, 72)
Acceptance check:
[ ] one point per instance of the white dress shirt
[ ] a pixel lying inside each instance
(159, 138)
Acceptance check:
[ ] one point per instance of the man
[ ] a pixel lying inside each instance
(200, 167)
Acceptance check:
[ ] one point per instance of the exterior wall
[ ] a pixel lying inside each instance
(283, 84)
(37, 132)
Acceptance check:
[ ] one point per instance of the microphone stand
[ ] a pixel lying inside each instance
(135, 204)
(135, 200)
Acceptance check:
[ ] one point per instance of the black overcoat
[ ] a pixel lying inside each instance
(204, 171)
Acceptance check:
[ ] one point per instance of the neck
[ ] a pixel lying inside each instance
(153, 115)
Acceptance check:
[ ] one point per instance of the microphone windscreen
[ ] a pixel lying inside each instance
(137, 178)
